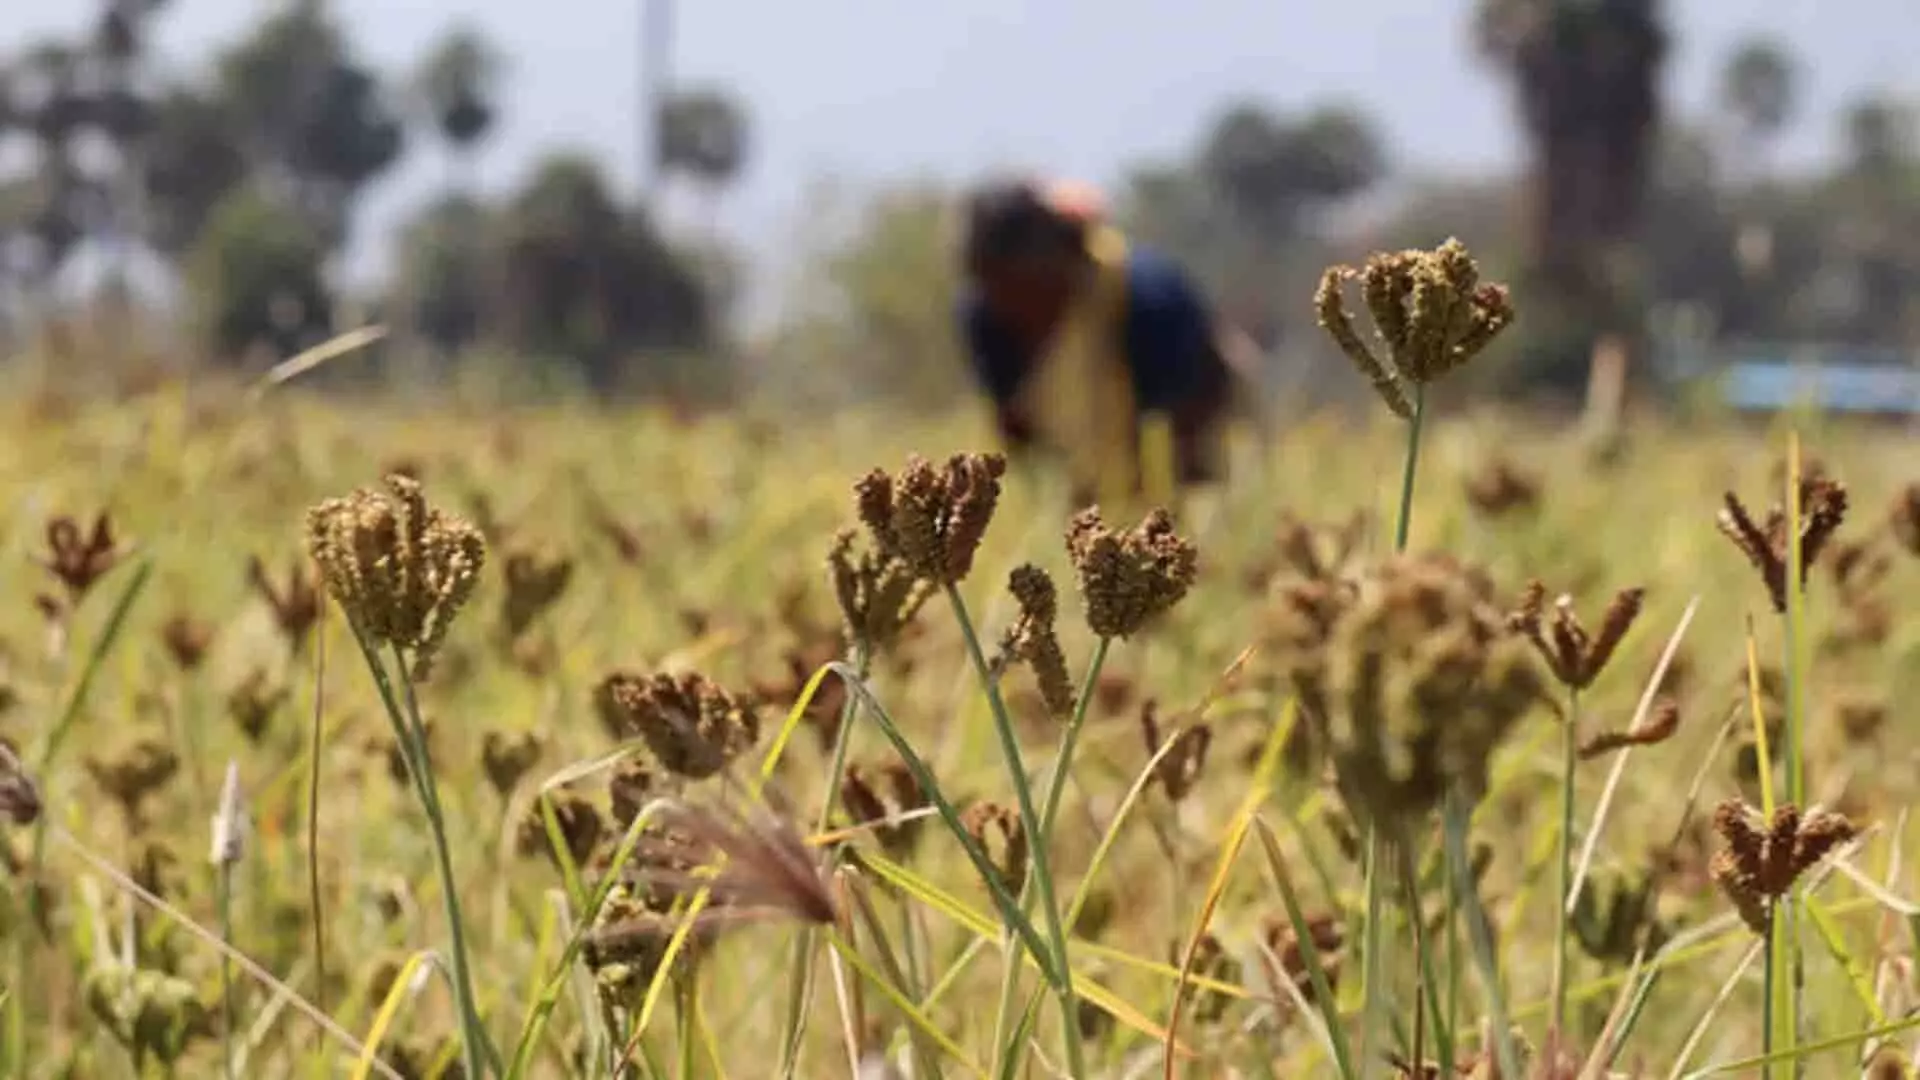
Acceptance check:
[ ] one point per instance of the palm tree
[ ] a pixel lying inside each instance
(1586, 82)
(457, 84)
(1759, 89)
(704, 136)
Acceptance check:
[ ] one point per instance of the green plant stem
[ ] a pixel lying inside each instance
(1787, 907)
(800, 986)
(476, 1051)
(1040, 869)
(1373, 933)
(1569, 760)
(1767, 989)
(1455, 817)
(1056, 788)
(224, 889)
(1403, 523)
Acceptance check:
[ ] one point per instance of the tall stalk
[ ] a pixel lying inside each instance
(1569, 760)
(800, 987)
(403, 714)
(1040, 869)
(1373, 935)
(1056, 787)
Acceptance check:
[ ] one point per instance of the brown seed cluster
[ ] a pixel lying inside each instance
(1033, 641)
(400, 569)
(1611, 918)
(933, 519)
(1286, 959)
(134, 772)
(754, 864)
(79, 558)
(1181, 768)
(878, 593)
(1865, 618)
(1430, 311)
(1904, 519)
(998, 831)
(536, 580)
(877, 796)
(507, 756)
(295, 602)
(1575, 656)
(1757, 866)
(1659, 726)
(1408, 675)
(579, 825)
(693, 726)
(1823, 506)
(1128, 579)
(186, 640)
(255, 701)
(1499, 489)
(19, 798)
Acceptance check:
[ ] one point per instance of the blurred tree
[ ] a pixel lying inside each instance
(706, 138)
(255, 279)
(191, 160)
(457, 84)
(447, 275)
(1759, 90)
(875, 304)
(1244, 209)
(313, 119)
(590, 282)
(1586, 77)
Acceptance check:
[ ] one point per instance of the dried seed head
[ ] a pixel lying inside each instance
(693, 726)
(19, 798)
(507, 756)
(1128, 579)
(187, 640)
(1661, 722)
(1211, 960)
(1180, 769)
(1430, 311)
(295, 603)
(80, 558)
(535, 582)
(1576, 657)
(400, 569)
(1499, 489)
(632, 784)
(933, 519)
(1408, 675)
(1904, 519)
(1285, 956)
(255, 701)
(1861, 719)
(1032, 639)
(1823, 506)
(579, 822)
(1756, 867)
(999, 833)
(134, 772)
(877, 797)
(1610, 916)
(877, 591)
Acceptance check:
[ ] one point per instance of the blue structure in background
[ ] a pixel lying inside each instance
(1854, 381)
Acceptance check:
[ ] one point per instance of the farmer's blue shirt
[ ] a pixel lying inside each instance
(1167, 332)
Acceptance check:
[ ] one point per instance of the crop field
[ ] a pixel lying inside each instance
(570, 671)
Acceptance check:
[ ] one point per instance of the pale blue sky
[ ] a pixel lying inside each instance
(879, 89)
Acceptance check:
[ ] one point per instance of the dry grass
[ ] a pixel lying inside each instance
(635, 545)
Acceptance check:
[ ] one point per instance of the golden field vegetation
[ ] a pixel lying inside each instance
(381, 740)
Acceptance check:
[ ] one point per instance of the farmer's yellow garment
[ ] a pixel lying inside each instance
(1080, 394)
